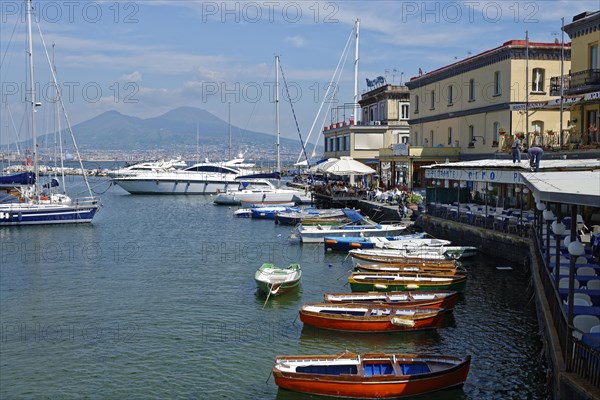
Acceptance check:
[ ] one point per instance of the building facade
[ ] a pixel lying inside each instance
(582, 83)
(385, 111)
(469, 104)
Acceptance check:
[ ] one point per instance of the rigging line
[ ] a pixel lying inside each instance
(252, 113)
(9, 42)
(345, 51)
(331, 102)
(64, 111)
(12, 120)
(294, 114)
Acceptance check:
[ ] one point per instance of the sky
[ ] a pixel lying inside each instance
(144, 58)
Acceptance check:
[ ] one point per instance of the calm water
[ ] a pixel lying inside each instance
(157, 299)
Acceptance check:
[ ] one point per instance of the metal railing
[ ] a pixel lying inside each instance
(574, 81)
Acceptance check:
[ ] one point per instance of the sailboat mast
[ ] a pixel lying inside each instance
(229, 121)
(34, 144)
(527, 87)
(356, 33)
(277, 111)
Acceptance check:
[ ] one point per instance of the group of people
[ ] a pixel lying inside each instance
(534, 153)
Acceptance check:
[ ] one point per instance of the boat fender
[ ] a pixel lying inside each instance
(402, 322)
(380, 286)
(412, 286)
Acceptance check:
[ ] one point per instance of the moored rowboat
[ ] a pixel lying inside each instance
(439, 299)
(275, 281)
(370, 375)
(385, 282)
(403, 268)
(369, 317)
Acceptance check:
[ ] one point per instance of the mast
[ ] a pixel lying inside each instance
(527, 87)
(229, 108)
(58, 129)
(356, 36)
(197, 142)
(34, 144)
(562, 71)
(277, 112)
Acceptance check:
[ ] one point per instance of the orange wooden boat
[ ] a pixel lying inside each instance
(459, 269)
(380, 376)
(370, 317)
(439, 299)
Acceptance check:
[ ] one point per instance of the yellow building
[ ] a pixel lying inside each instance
(468, 105)
(582, 83)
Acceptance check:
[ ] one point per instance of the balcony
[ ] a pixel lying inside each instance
(576, 82)
(423, 152)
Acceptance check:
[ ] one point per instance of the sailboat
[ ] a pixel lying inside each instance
(38, 204)
(256, 190)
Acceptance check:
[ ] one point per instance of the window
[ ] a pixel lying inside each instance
(537, 127)
(497, 88)
(416, 104)
(495, 130)
(373, 113)
(450, 95)
(325, 144)
(537, 80)
(416, 137)
(449, 136)
(594, 62)
(347, 142)
(471, 133)
(472, 90)
(365, 114)
(338, 143)
(432, 106)
(404, 107)
(382, 111)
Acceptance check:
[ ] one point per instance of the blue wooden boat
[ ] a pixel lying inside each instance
(345, 243)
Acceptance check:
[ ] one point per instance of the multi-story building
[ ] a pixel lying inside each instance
(479, 104)
(582, 83)
(384, 122)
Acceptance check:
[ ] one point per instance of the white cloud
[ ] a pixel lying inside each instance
(296, 41)
(135, 76)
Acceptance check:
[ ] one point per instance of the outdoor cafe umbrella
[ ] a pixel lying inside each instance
(345, 166)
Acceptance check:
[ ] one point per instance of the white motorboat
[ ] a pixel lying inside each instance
(261, 191)
(201, 178)
(358, 226)
(145, 167)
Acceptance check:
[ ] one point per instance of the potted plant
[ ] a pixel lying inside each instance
(501, 131)
(550, 132)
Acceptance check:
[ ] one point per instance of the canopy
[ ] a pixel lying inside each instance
(345, 166)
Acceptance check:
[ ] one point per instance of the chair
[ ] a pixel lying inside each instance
(581, 302)
(584, 323)
(580, 296)
(581, 260)
(586, 271)
(593, 284)
(595, 329)
(563, 283)
(563, 271)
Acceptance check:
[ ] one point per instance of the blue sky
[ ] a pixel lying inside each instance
(144, 58)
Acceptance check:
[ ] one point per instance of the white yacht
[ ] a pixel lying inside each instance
(261, 191)
(201, 178)
(145, 167)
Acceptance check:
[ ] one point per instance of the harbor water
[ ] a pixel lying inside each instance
(157, 299)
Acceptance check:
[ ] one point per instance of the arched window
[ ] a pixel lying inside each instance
(449, 136)
(537, 80)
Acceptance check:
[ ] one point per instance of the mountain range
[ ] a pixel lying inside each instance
(115, 131)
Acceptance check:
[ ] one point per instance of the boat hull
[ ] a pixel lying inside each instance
(318, 235)
(182, 185)
(382, 386)
(422, 299)
(383, 282)
(276, 281)
(346, 317)
(43, 214)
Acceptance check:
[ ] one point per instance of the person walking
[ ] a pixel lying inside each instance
(593, 133)
(535, 156)
(516, 149)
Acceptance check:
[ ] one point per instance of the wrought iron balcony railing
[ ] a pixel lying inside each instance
(575, 82)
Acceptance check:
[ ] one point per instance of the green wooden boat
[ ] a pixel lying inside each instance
(275, 281)
(386, 282)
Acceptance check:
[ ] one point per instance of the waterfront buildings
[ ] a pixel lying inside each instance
(582, 83)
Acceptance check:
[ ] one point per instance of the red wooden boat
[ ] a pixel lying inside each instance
(424, 299)
(369, 317)
(370, 375)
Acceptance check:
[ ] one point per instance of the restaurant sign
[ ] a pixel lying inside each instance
(477, 175)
